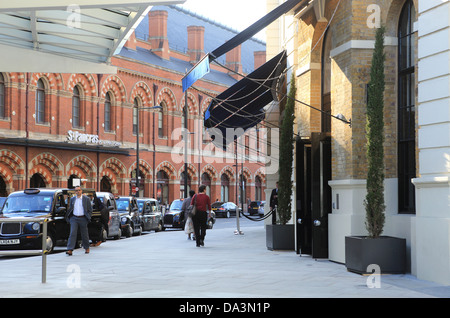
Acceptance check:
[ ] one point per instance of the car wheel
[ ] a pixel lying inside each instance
(50, 243)
(228, 214)
(139, 232)
(117, 237)
(159, 228)
(103, 234)
(129, 232)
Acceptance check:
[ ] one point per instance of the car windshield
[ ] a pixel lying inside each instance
(255, 203)
(176, 205)
(24, 203)
(217, 204)
(123, 205)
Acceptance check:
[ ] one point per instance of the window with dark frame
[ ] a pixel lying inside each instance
(76, 108)
(40, 102)
(107, 119)
(406, 138)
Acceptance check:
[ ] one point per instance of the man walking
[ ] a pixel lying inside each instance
(79, 215)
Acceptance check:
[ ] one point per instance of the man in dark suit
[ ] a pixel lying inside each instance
(79, 215)
(274, 203)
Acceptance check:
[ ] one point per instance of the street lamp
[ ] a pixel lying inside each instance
(137, 142)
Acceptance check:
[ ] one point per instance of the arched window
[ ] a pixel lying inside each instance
(107, 119)
(162, 121)
(76, 113)
(224, 188)
(162, 191)
(40, 102)
(2, 96)
(105, 185)
(406, 110)
(206, 180)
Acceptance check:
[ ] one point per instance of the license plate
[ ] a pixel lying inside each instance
(9, 242)
(168, 225)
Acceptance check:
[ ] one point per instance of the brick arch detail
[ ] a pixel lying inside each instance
(168, 96)
(84, 164)
(192, 101)
(43, 172)
(111, 176)
(114, 84)
(261, 174)
(11, 159)
(168, 168)
(52, 80)
(191, 170)
(49, 160)
(143, 167)
(229, 172)
(77, 171)
(115, 165)
(211, 171)
(86, 81)
(142, 90)
(247, 174)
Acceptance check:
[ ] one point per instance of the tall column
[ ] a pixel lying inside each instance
(432, 244)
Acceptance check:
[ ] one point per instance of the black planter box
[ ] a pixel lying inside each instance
(280, 237)
(389, 253)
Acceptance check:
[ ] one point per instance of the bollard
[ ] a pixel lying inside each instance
(43, 250)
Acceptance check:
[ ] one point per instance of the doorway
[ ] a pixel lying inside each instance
(313, 158)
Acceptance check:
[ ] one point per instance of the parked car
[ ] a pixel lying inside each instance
(174, 217)
(2, 200)
(150, 211)
(130, 219)
(261, 208)
(253, 207)
(225, 209)
(110, 214)
(43, 204)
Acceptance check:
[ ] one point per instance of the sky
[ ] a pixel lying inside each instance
(237, 14)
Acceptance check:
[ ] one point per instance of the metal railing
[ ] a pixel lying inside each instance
(43, 251)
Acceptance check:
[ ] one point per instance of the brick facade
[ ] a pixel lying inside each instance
(28, 148)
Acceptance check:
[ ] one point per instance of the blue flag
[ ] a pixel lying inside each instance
(198, 71)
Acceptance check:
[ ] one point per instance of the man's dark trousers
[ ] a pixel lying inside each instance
(80, 222)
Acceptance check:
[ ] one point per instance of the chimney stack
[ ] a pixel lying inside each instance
(259, 58)
(196, 43)
(233, 61)
(157, 30)
(131, 42)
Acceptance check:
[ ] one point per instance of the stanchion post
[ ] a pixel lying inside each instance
(44, 251)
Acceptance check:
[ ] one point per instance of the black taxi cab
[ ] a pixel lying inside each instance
(41, 203)
(150, 211)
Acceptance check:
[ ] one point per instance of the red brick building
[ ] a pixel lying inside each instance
(56, 128)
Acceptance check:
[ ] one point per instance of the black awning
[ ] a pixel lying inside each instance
(241, 105)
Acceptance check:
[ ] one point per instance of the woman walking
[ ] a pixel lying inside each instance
(203, 207)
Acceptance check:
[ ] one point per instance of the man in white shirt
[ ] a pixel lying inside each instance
(79, 215)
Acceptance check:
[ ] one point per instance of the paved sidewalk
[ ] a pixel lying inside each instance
(167, 265)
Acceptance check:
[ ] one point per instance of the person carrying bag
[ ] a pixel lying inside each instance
(201, 203)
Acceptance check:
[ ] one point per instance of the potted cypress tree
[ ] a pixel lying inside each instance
(389, 253)
(281, 236)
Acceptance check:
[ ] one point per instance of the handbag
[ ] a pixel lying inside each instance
(193, 208)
